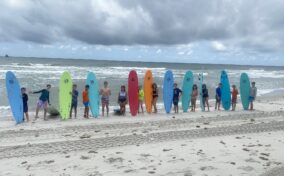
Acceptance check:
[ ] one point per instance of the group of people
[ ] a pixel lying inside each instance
(122, 99)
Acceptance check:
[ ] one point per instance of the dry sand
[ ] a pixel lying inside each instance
(208, 143)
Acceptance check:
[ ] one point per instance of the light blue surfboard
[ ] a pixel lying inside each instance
(14, 96)
(226, 90)
(187, 90)
(245, 90)
(94, 96)
(168, 90)
(200, 78)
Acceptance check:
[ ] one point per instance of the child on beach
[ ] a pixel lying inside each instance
(105, 93)
(25, 103)
(205, 96)
(234, 93)
(218, 97)
(141, 99)
(74, 104)
(155, 95)
(122, 99)
(194, 97)
(43, 101)
(85, 95)
(177, 94)
(252, 96)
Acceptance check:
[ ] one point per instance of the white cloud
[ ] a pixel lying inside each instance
(218, 46)
(158, 51)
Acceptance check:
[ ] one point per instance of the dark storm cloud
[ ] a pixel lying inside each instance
(248, 24)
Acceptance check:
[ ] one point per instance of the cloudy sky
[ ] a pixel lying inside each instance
(203, 31)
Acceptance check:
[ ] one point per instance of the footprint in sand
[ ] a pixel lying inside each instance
(246, 168)
(84, 157)
(207, 168)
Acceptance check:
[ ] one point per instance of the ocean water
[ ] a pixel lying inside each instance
(35, 73)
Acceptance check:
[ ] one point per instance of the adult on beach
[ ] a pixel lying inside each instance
(155, 95)
(105, 93)
(122, 99)
(43, 101)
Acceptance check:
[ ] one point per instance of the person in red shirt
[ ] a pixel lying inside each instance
(234, 93)
(85, 95)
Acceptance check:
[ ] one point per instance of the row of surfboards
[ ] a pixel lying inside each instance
(65, 89)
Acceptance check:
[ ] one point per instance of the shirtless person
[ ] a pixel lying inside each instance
(105, 93)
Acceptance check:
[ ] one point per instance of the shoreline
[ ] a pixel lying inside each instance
(246, 142)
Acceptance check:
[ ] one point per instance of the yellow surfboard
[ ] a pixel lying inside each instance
(148, 81)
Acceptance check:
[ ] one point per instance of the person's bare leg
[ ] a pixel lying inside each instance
(71, 112)
(207, 102)
(103, 109)
(44, 114)
(27, 116)
(37, 110)
(87, 112)
(107, 108)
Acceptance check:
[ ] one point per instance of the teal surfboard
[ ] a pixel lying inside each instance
(187, 90)
(14, 96)
(94, 96)
(168, 90)
(226, 90)
(245, 90)
(200, 78)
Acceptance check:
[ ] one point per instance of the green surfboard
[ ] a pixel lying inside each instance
(65, 95)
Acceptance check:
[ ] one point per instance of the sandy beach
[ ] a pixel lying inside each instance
(208, 143)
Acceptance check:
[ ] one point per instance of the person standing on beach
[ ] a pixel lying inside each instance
(155, 95)
(85, 96)
(218, 97)
(105, 93)
(177, 94)
(25, 104)
(141, 99)
(122, 99)
(43, 101)
(74, 104)
(234, 93)
(194, 96)
(205, 96)
(252, 96)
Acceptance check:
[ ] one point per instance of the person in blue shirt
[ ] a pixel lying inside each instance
(218, 97)
(74, 104)
(177, 94)
(43, 101)
(25, 103)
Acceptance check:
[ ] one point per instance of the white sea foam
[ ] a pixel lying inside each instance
(262, 92)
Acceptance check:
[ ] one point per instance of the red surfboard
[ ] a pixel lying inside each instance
(133, 90)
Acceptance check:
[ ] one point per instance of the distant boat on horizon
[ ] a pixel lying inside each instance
(6, 55)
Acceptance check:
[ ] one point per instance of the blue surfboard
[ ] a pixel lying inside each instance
(226, 90)
(168, 92)
(200, 78)
(187, 90)
(14, 96)
(94, 96)
(245, 90)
